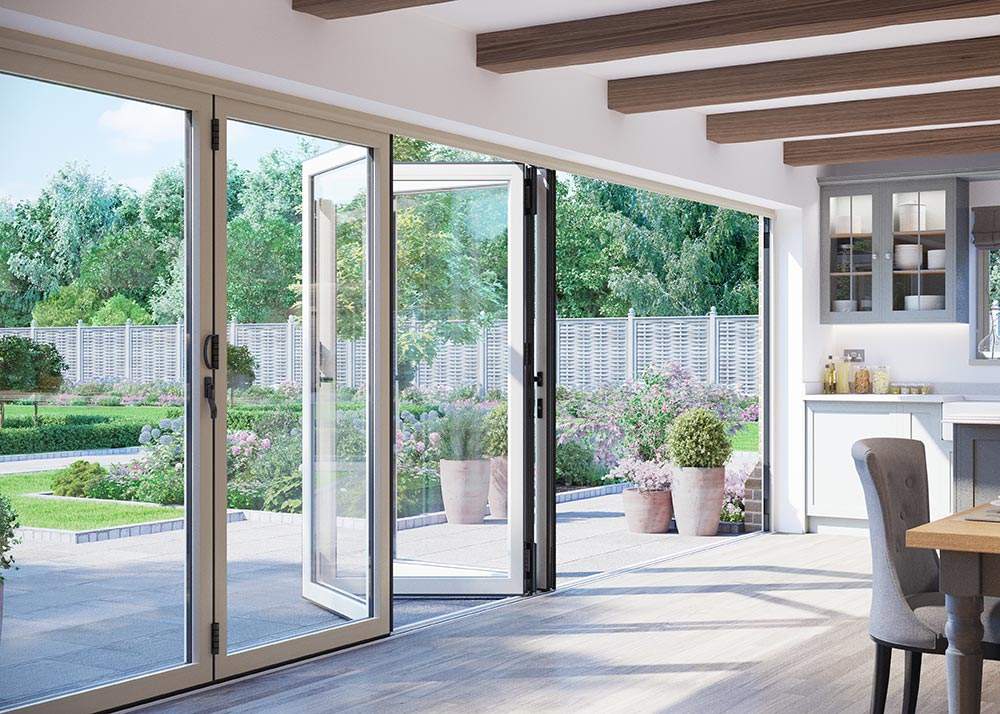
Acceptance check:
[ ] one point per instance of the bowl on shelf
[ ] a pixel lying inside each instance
(866, 304)
(908, 256)
(924, 302)
(936, 259)
(845, 305)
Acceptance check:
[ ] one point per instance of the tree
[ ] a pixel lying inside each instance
(28, 366)
(263, 260)
(66, 306)
(118, 309)
(129, 261)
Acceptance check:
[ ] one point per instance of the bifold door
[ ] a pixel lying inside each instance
(302, 452)
(460, 329)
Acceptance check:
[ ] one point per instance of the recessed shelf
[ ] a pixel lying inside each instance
(846, 236)
(924, 234)
(848, 275)
(918, 272)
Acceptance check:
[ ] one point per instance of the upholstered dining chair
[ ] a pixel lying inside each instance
(908, 611)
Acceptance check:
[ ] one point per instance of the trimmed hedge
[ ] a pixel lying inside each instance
(107, 434)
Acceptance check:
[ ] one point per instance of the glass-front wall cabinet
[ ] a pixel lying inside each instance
(895, 251)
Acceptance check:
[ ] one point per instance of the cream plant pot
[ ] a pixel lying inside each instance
(465, 487)
(498, 487)
(698, 495)
(647, 511)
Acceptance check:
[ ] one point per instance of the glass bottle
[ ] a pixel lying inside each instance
(880, 380)
(843, 371)
(862, 380)
(829, 376)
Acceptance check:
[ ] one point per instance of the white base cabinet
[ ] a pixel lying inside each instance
(833, 488)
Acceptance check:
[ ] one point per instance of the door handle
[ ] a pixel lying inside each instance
(213, 408)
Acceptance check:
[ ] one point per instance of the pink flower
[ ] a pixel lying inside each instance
(265, 443)
(435, 438)
(236, 451)
(419, 446)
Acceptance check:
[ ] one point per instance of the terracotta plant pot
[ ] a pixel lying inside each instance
(647, 511)
(698, 497)
(465, 489)
(498, 487)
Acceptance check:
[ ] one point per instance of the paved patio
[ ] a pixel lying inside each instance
(77, 615)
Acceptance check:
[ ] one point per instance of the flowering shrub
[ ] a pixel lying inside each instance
(735, 491)
(418, 453)
(594, 418)
(662, 395)
(751, 412)
(643, 475)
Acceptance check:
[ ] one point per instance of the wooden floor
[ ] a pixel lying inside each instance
(772, 623)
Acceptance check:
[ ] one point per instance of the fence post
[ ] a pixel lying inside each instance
(179, 348)
(128, 350)
(31, 329)
(349, 353)
(713, 346)
(79, 351)
(631, 346)
(290, 349)
(484, 356)
(232, 332)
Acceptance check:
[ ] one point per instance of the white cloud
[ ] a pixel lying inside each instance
(138, 127)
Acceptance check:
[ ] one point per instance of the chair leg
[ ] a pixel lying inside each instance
(911, 682)
(880, 683)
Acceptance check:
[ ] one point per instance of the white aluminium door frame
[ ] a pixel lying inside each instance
(418, 578)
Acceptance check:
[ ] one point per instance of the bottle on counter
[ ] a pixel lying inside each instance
(843, 372)
(880, 380)
(829, 376)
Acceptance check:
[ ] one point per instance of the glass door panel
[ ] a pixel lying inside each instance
(851, 253)
(919, 250)
(306, 536)
(460, 464)
(99, 238)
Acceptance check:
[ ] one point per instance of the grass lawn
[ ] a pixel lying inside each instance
(137, 412)
(748, 437)
(73, 515)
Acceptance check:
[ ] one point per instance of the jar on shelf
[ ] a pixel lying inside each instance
(880, 380)
(862, 380)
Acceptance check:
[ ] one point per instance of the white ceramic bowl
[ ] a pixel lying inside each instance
(845, 305)
(936, 258)
(924, 302)
(908, 257)
(866, 304)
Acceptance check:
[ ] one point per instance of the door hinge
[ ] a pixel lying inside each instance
(530, 191)
(539, 379)
(216, 638)
(529, 563)
(216, 130)
(539, 408)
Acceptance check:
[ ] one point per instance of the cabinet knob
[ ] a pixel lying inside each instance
(874, 256)
(888, 256)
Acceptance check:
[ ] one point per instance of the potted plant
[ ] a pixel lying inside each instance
(465, 474)
(699, 448)
(647, 503)
(495, 446)
(8, 522)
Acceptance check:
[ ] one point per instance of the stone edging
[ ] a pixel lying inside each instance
(69, 454)
(54, 535)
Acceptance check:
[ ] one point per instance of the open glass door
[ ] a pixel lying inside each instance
(461, 379)
(334, 216)
(302, 467)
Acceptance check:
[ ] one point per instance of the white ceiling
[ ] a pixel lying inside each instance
(483, 16)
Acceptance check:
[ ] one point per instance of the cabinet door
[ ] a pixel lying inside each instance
(849, 255)
(834, 488)
(926, 427)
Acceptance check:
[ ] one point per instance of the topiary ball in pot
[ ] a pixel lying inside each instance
(699, 448)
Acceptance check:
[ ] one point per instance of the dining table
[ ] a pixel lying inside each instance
(969, 569)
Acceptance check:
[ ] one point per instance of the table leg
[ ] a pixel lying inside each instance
(964, 656)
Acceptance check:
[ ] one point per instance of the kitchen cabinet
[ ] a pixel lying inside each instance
(895, 251)
(833, 488)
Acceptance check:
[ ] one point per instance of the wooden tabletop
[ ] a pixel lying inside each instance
(956, 533)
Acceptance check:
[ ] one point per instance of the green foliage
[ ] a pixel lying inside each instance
(263, 259)
(66, 306)
(77, 479)
(698, 439)
(118, 309)
(462, 432)
(127, 262)
(29, 366)
(495, 431)
(241, 366)
(110, 434)
(575, 465)
(8, 522)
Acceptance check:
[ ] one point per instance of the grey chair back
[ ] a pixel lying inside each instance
(894, 477)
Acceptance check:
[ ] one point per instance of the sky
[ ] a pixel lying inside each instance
(43, 126)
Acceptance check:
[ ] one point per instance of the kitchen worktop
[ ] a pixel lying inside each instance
(972, 412)
(917, 398)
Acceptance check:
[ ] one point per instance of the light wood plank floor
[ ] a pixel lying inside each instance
(772, 623)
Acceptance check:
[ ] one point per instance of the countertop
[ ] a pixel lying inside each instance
(918, 398)
(972, 412)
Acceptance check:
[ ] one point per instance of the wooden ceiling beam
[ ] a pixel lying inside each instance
(701, 25)
(897, 66)
(962, 107)
(981, 139)
(336, 9)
